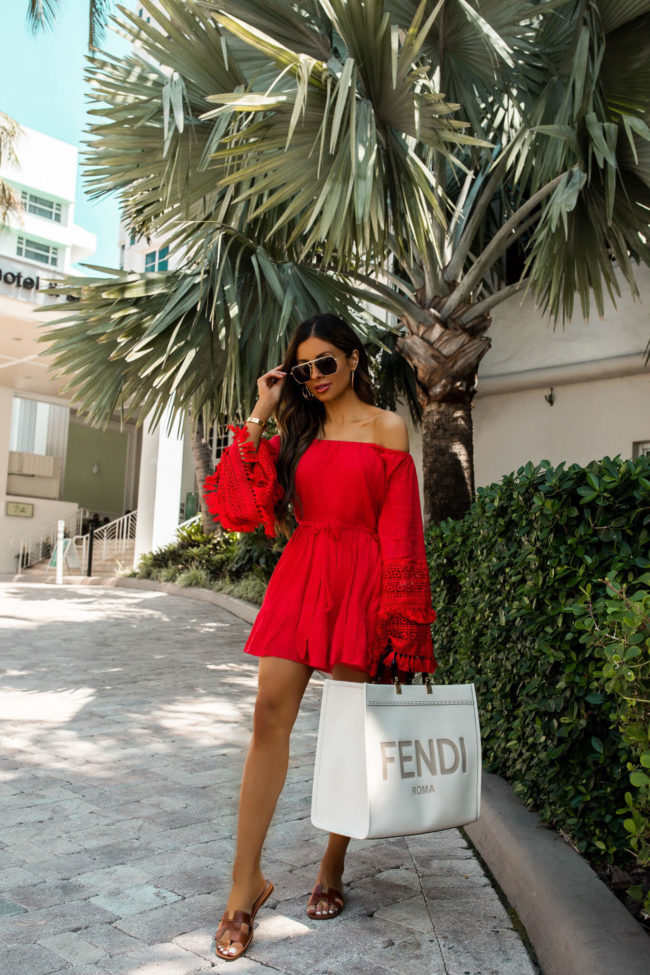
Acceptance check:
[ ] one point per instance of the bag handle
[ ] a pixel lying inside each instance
(426, 678)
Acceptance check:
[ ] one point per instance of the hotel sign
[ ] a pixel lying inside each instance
(19, 280)
(22, 282)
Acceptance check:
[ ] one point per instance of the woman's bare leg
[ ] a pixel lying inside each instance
(330, 873)
(281, 685)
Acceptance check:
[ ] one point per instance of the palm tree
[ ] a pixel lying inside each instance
(41, 14)
(330, 170)
(561, 92)
(198, 337)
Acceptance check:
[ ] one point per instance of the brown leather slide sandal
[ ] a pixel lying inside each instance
(239, 929)
(331, 896)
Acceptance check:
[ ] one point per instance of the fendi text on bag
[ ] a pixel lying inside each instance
(393, 760)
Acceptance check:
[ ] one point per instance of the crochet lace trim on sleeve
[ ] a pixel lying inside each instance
(404, 627)
(244, 489)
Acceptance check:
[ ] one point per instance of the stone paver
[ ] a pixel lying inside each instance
(124, 718)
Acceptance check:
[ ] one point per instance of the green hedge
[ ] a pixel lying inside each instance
(620, 628)
(523, 606)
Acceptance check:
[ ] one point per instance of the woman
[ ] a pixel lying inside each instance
(351, 586)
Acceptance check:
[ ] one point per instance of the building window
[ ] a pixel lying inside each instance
(641, 449)
(38, 428)
(157, 260)
(132, 239)
(40, 206)
(34, 250)
(218, 439)
(122, 256)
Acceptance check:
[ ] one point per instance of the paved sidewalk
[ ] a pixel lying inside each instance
(124, 717)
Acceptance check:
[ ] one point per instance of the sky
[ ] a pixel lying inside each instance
(42, 87)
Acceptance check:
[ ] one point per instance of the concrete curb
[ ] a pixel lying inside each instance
(574, 922)
(238, 607)
(50, 579)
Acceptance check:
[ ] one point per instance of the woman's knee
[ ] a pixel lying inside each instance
(274, 716)
(281, 685)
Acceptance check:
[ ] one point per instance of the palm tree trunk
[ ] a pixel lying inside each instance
(445, 358)
(202, 457)
(447, 459)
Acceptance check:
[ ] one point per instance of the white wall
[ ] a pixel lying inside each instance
(587, 421)
(523, 340)
(600, 385)
(6, 406)
(45, 164)
(45, 511)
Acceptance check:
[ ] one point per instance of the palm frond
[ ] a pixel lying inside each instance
(146, 141)
(357, 119)
(590, 124)
(41, 13)
(140, 343)
(615, 13)
(303, 28)
(579, 252)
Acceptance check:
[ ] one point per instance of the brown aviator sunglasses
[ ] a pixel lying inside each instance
(327, 366)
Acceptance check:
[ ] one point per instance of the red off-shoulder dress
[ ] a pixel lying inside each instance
(352, 584)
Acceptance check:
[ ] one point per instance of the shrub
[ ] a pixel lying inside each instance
(146, 567)
(506, 581)
(168, 573)
(193, 577)
(250, 587)
(211, 557)
(620, 627)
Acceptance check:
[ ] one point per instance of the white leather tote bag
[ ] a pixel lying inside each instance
(393, 760)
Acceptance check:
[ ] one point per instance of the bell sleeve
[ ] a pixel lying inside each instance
(244, 489)
(403, 634)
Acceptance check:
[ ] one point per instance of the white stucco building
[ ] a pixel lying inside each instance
(52, 465)
(571, 395)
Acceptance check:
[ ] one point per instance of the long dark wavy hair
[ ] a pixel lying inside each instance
(301, 420)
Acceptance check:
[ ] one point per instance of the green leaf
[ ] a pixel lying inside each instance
(639, 779)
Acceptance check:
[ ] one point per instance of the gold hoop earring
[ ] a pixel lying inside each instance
(352, 378)
(306, 393)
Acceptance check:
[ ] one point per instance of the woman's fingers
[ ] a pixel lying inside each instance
(272, 377)
(270, 387)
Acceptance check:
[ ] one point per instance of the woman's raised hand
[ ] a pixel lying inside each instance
(269, 387)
